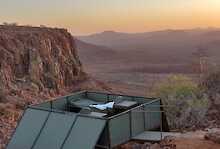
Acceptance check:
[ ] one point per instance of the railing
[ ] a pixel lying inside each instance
(138, 109)
(161, 116)
(161, 121)
(140, 106)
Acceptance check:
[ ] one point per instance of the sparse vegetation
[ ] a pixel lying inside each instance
(187, 101)
(211, 84)
(43, 26)
(10, 24)
(1, 95)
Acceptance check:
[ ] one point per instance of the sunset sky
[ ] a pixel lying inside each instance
(90, 16)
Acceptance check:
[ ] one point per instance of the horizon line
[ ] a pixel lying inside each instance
(150, 31)
(107, 30)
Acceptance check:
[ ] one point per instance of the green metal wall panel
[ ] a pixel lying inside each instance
(119, 98)
(55, 131)
(119, 128)
(153, 117)
(85, 133)
(76, 96)
(115, 97)
(97, 97)
(85, 102)
(137, 119)
(45, 105)
(59, 104)
(104, 138)
(28, 129)
(142, 99)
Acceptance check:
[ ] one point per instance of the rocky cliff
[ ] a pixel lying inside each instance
(38, 58)
(36, 64)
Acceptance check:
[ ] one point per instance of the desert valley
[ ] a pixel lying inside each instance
(40, 63)
(135, 62)
(119, 74)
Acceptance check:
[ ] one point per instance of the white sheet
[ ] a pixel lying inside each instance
(103, 106)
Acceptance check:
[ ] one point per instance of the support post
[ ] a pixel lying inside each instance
(51, 104)
(161, 127)
(130, 124)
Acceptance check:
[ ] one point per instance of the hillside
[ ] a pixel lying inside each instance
(92, 53)
(36, 64)
(135, 61)
(166, 46)
(41, 57)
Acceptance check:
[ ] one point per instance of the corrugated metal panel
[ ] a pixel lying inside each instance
(142, 99)
(85, 102)
(119, 129)
(55, 131)
(153, 117)
(45, 105)
(121, 98)
(85, 133)
(28, 129)
(104, 138)
(76, 96)
(59, 104)
(115, 97)
(137, 119)
(97, 96)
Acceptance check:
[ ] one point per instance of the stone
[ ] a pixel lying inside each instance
(213, 136)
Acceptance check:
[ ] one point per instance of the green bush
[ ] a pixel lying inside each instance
(187, 104)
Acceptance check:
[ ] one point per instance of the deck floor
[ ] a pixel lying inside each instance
(153, 135)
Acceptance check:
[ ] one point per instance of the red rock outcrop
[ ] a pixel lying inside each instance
(36, 64)
(38, 58)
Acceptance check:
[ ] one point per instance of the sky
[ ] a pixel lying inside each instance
(82, 17)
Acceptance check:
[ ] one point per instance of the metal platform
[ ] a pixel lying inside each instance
(153, 135)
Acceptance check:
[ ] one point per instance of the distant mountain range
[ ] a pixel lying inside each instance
(158, 47)
(94, 53)
(177, 37)
(171, 44)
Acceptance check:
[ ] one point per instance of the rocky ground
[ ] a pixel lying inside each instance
(204, 139)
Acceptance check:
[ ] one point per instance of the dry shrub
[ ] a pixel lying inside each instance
(188, 103)
(2, 94)
(8, 111)
(211, 84)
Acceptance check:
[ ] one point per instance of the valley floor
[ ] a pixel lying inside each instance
(133, 83)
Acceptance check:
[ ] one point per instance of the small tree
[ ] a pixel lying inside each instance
(211, 84)
(187, 104)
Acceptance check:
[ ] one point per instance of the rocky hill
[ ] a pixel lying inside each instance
(36, 64)
(40, 58)
(160, 47)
